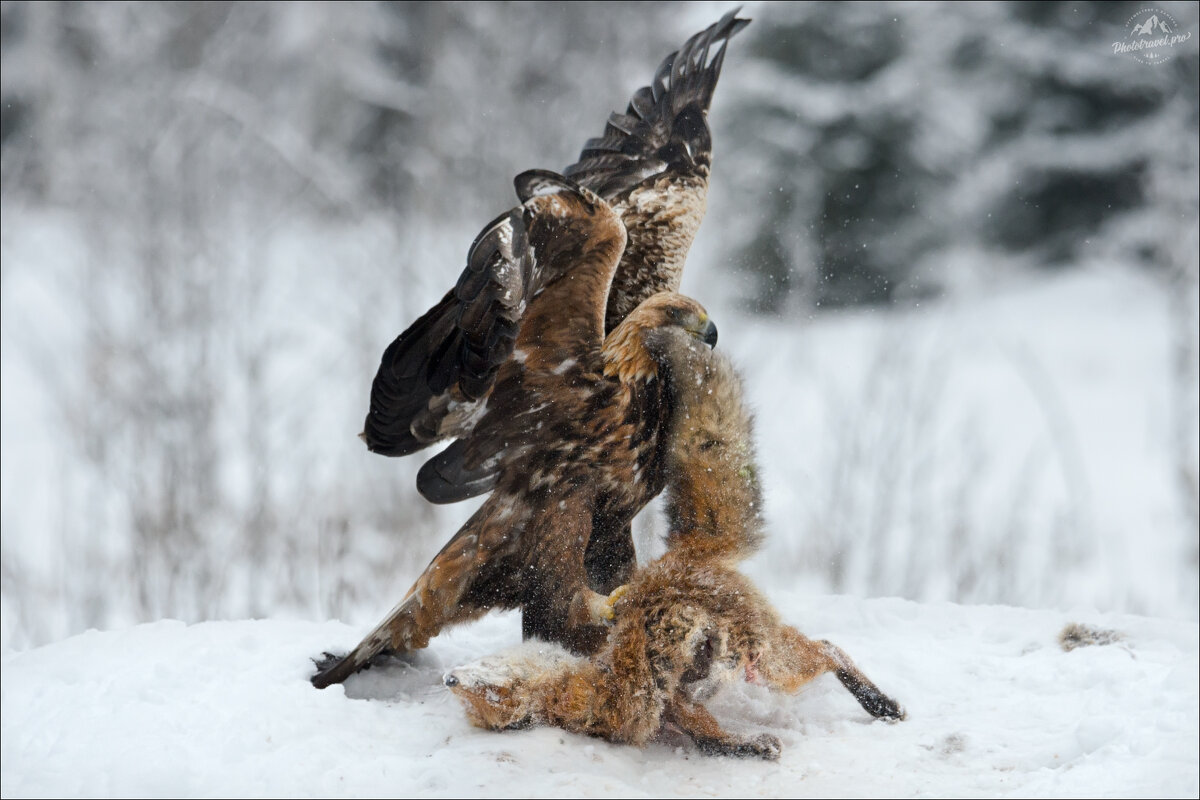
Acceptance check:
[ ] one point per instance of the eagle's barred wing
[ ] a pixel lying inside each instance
(655, 135)
(435, 374)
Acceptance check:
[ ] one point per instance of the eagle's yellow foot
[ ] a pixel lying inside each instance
(604, 611)
(593, 608)
(614, 597)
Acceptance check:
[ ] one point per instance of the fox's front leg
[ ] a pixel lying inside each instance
(792, 660)
(698, 722)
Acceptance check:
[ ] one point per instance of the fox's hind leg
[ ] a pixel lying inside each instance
(793, 660)
(698, 722)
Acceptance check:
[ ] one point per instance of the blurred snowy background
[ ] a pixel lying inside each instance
(954, 248)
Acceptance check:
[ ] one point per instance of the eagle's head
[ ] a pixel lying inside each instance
(638, 347)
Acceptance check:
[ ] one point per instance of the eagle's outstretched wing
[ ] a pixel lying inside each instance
(651, 165)
(664, 128)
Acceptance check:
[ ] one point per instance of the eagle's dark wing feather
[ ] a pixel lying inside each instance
(435, 373)
(435, 379)
(513, 280)
(652, 166)
(663, 129)
(446, 478)
(562, 325)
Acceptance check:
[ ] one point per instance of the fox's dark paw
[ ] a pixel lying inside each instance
(764, 746)
(878, 704)
(875, 702)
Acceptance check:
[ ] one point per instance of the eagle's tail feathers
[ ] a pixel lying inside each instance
(331, 671)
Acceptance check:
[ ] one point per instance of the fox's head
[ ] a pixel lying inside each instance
(501, 691)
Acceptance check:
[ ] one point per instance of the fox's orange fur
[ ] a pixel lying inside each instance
(686, 621)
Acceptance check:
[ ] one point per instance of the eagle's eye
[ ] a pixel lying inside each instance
(698, 324)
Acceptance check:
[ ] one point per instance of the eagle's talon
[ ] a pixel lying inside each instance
(598, 608)
(615, 596)
(606, 613)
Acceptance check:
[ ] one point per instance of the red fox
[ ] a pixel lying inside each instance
(684, 623)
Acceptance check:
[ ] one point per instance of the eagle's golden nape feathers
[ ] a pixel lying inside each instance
(629, 353)
(652, 164)
(435, 380)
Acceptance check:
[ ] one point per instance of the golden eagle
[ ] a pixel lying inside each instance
(541, 363)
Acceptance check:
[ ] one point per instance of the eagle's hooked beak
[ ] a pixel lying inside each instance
(709, 334)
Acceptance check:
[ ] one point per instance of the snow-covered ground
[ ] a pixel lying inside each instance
(995, 708)
(1009, 443)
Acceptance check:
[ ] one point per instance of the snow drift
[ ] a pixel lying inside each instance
(996, 708)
